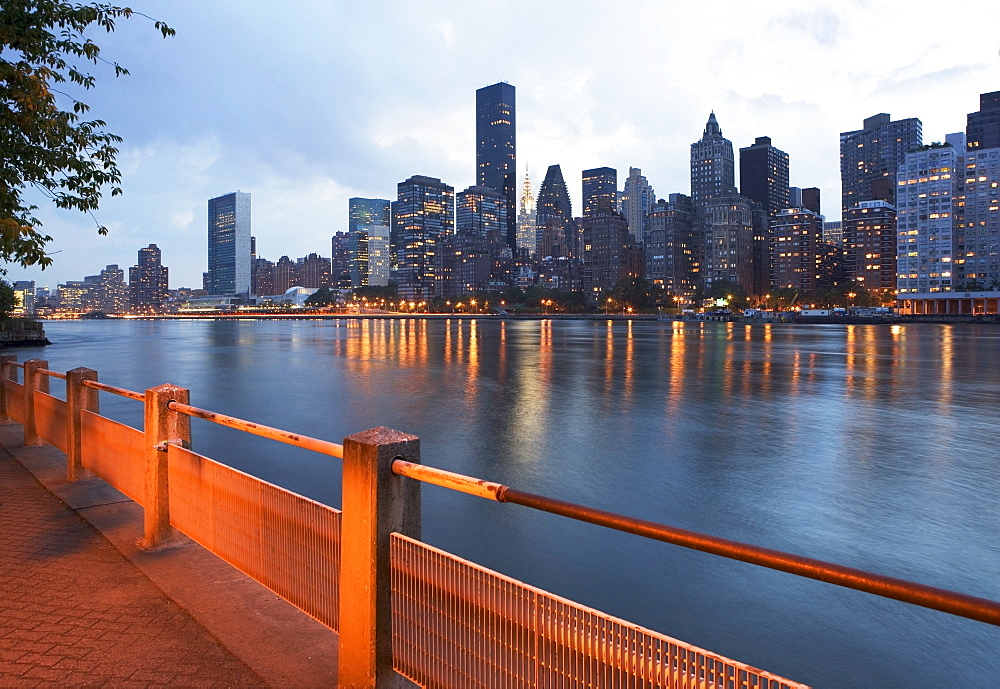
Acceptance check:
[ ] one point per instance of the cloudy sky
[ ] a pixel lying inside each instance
(306, 104)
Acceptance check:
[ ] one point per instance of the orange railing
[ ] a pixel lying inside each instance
(399, 605)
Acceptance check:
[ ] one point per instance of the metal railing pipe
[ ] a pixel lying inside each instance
(52, 374)
(315, 444)
(954, 603)
(122, 392)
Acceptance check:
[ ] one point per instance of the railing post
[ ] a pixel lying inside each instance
(5, 375)
(162, 426)
(375, 503)
(79, 398)
(33, 381)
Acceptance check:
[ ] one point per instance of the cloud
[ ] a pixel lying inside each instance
(447, 30)
(821, 24)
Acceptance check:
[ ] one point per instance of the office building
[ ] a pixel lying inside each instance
(726, 224)
(148, 281)
(482, 212)
(425, 214)
(229, 244)
(607, 253)
(526, 239)
(496, 148)
(368, 221)
(983, 128)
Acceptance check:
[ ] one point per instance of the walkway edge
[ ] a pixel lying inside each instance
(283, 645)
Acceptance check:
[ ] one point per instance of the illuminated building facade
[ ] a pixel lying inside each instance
(764, 175)
(368, 221)
(983, 127)
(797, 250)
(607, 253)
(229, 244)
(553, 215)
(424, 214)
(870, 245)
(148, 281)
(600, 190)
(526, 238)
(496, 148)
(978, 211)
(713, 170)
(482, 212)
(926, 231)
(675, 248)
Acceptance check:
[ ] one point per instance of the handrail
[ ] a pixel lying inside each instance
(54, 374)
(15, 364)
(113, 390)
(960, 604)
(322, 446)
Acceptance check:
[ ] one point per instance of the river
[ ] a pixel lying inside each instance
(870, 446)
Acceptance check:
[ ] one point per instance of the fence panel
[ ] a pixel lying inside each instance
(288, 543)
(15, 400)
(458, 624)
(115, 452)
(51, 416)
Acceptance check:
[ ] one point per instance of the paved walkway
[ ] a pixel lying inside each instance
(82, 605)
(74, 610)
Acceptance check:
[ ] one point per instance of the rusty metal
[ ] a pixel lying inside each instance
(316, 445)
(458, 624)
(952, 602)
(287, 542)
(16, 364)
(14, 392)
(115, 391)
(52, 374)
(447, 479)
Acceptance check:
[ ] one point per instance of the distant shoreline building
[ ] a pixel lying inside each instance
(229, 245)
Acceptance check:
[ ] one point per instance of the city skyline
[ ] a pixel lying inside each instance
(355, 124)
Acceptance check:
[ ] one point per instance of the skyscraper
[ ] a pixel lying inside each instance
(147, 281)
(526, 239)
(496, 149)
(424, 213)
(764, 175)
(366, 219)
(553, 215)
(870, 156)
(869, 160)
(637, 201)
(983, 130)
(229, 244)
(482, 212)
(713, 168)
(600, 189)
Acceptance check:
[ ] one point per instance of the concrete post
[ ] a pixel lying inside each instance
(5, 374)
(376, 502)
(33, 381)
(78, 399)
(161, 426)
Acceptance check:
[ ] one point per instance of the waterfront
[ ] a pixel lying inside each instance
(869, 446)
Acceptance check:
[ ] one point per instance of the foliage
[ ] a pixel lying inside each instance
(8, 300)
(637, 293)
(324, 296)
(731, 291)
(45, 144)
(372, 292)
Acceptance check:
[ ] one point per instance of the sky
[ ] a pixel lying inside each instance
(310, 105)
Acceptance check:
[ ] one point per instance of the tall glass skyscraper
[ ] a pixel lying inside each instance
(496, 158)
(424, 213)
(229, 244)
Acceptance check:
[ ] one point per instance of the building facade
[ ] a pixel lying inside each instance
(675, 249)
(496, 149)
(148, 281)
(229, 244)
(424, 214)
(764, 175)
(526, 238)
(983, 127)
(713, 170)
(870, 246)
(600, 190)
(978, 211)
(870, 157)
(553, 215)
(637, 201)
(797, 251)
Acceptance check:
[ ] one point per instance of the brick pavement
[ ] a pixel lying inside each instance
(75, 611)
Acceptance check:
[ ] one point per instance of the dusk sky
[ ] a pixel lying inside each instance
(307, 107)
